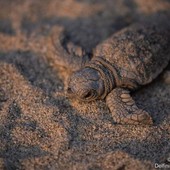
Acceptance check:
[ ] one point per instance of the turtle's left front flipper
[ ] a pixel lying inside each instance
(124, 109)
(67, 55)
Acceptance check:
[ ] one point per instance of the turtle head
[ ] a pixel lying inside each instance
(86, 84)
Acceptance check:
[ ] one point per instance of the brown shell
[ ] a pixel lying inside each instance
(139, 52)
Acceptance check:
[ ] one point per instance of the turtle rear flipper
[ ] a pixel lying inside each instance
(68, 55)
(124, 109)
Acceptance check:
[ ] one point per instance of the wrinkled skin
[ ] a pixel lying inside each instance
(127, 60)
(91, 85)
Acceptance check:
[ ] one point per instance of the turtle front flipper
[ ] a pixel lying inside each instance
(68, 55)
(124, 109)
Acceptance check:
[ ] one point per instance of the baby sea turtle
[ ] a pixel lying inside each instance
(127, 60)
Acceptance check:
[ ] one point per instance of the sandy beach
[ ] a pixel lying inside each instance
(40, 128)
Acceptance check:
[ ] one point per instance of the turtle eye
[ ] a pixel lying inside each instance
(88, 94)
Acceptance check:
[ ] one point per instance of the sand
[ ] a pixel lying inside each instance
(40, 128)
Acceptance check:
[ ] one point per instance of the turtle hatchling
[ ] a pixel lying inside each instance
(127, 60)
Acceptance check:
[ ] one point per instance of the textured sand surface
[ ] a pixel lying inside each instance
(39, 127)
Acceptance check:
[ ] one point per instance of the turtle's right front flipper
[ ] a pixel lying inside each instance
(124, 109)
(68, 55)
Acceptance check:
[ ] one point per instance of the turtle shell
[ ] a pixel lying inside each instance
(139, 52)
